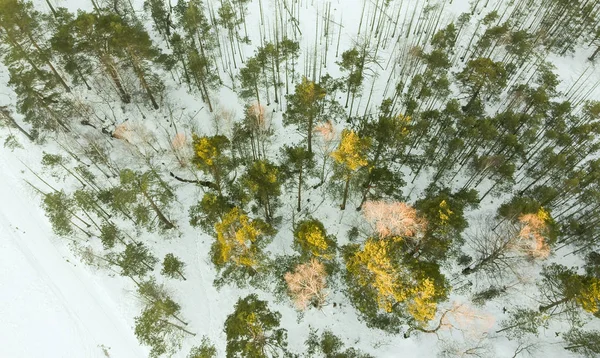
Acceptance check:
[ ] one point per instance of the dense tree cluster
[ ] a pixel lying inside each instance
(465, 161)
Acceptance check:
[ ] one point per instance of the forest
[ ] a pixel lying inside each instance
(320, 178)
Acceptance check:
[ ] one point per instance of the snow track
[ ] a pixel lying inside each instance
(48, 306)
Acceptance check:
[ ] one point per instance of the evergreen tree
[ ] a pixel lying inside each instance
(585, 343)
(297, 162)
(252, 330)
(304, 108)
(173, 267)
(262, 182)
(482, 77)
(141, 194)
(330, 346)
(22, 28)
(205, 350)
(209, 211)
(564, 289)
(108, 39)
(136, 260)
(154, 328)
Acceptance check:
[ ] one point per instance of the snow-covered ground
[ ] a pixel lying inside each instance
(50, 304)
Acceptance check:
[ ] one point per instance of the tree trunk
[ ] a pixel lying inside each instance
(180, 274)
(593, 56)
(178, 327)
(553, 304)
(14, 123)
(471, 100)
(168, 224)
(51, 8)
(112, 72)
(54, 71)
(140, 74)
(299, 189)
(309, 134)
(343, 206)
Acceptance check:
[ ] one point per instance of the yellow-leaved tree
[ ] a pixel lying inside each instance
(311, 239)
(397, 286)
(350, 156)
(238, 250)
(210, 156)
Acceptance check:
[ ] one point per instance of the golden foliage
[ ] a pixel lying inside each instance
(422, 306)
(373, 267)
(205, 151)
(444, 212)
(589, 298)
(312, 238)
(308, 92)
(236, 235)
(351, 151)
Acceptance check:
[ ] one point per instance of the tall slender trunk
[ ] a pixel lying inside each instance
(47, 61)
(309, 134)
(114, 75)
(593, 56)
(178, 327)
(299, 189)
(544, 308)
(347, 186)
(4, 112)
(140, 74)
(168, 224)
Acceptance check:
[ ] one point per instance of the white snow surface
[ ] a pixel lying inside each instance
(50, 304)
(53, 305)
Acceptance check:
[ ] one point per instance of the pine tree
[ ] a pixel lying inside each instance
(330, 346)
(482, 77)
(205, 350)
(173, 267)
(154, 328)
(161, 16)
(136, 260)
(141, 194)
(304, 108)
(109, 38)
(585, 343)
(209, 211)
(297, 163)
(22, 27)
(252, 330)
(262, 182)
(564, 289)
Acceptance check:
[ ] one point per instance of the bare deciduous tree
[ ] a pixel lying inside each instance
(394, 219)
(307, 284)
